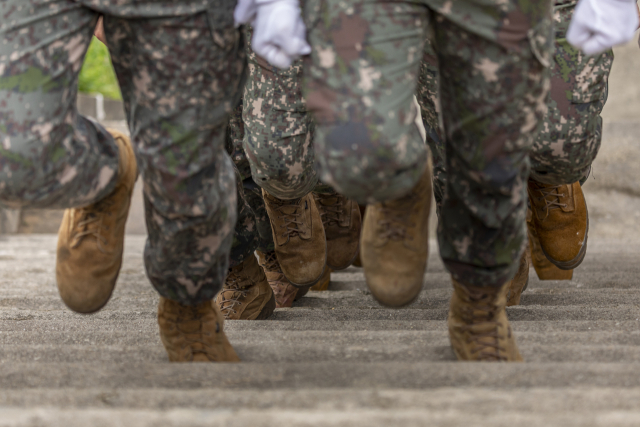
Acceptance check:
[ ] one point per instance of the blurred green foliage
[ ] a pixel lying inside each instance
(97, 75)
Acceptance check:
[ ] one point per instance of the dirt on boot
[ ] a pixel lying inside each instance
(395, 245)
(561, 222)
(246, 294)
(478, 326)
(91, 240)
(298, 234)
(194, 333)
(342, 222)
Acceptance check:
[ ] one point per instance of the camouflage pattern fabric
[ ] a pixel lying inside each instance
(570, 134)
(180, 76)
(359, 83)
(278, 131)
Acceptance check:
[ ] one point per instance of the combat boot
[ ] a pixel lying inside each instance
(561, 223)
(395, 245)
(91, 240)
(342, 222)
(478, 326)
(298, 234)
(323, 283)
(544, 268)
(357, 262)
(520, 281)
(194, 333)
(246, 294)
(285, 293)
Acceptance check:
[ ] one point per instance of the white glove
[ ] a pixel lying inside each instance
(598, 25)
(279, 35)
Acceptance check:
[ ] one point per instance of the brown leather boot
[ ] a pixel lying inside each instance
(342, 222)
(478, 326)
(520, 281)
(560, 219)
(194, 333)
(284, 292)
(544, 268)
(395, 245)
(246, 294)
(323, 283)
(299, 238)
(91, 240)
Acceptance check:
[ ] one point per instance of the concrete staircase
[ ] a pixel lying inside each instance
(335, 359)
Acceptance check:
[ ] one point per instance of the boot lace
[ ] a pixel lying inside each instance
(330, 214)
(396, 219)
(188, 314)
(271, 262)
(551, 197)
(291, 221)
(234, 291)
(485, 344)
(90, 223)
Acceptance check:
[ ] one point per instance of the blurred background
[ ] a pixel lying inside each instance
(612, 191)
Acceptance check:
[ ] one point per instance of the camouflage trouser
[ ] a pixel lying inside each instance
(253, 228)
(180, 66)
(568, 138)
(360, 82)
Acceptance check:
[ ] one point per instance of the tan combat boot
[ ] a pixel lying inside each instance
(342, 222)
(544, 268)
(560, 219)
(395, 245)
(246, 294)
(284, 292)
(194, 333)
(91, 240)
(520, 281)
(478, 326)
(299, 238)
(323, 283)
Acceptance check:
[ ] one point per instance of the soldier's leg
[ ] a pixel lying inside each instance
(278, 143)
(359, 81)
(493, 85)
(180, 77)
(246, 293)
(564, 150)
(52, 157)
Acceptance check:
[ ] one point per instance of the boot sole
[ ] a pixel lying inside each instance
(268, 309)
(575, 262)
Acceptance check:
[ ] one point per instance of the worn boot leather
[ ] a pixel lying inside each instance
(395, 245)
(543, 267)
(520, 281)
(561, 222)
(284, 292)
(246, 294)
(299, 237)
(194, 333)
(91, 240)
(342, 222)
(478, 326)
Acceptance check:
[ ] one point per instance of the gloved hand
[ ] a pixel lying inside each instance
(598, 25)
(279, 35)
